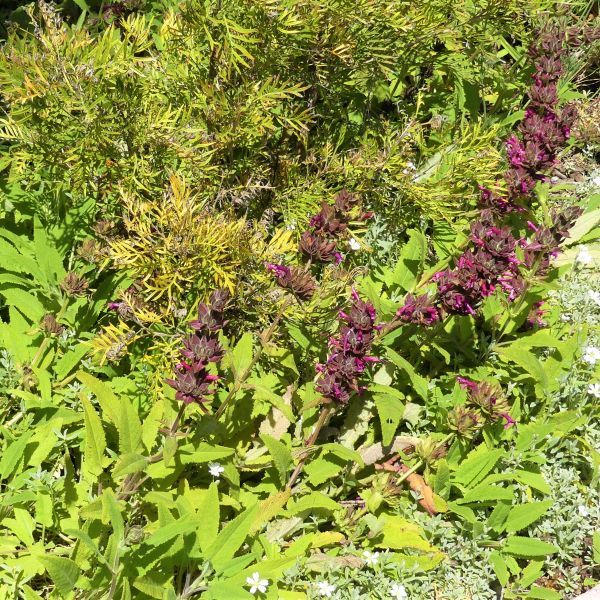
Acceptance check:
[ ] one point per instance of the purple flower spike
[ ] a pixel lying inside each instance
(349, 357)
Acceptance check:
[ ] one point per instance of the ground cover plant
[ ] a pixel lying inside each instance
(299, 299)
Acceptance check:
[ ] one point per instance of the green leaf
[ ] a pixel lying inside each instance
(585, 223)
(95, 442)
(532, 572)
(410, 262)
(47, 256)
(66, 363)
(63, 572)
(25, 302)
(344, 453)
(399, 533)
(390, 411)
(596, 546)
(419, 383)
(88, 542)
(527, 361)
(242, 355)
(543, 593)
(311, 502)
(128, 426)
(281, 454)
(320, 469)
(119, 411)
(486, 492)
(151, 425)
(231, 538)
(13, 455)
(203, 453)
(523, 515)
(528, 547)
(108, 401)
(533, 480)
(129, 463)
(499, 567)
(476, 466)
(112, 513)
(441, 483)
(498, 516)
(262, 392)
(185, 524)
(82, 4)
(210, 512)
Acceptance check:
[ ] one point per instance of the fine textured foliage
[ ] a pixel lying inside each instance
(298, 300)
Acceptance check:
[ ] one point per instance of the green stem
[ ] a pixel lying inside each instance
(310, 442)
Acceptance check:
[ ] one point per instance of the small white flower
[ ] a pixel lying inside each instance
(326, 589)
(595, 296)
(594, 390)
(554, 179)
(565, 317)
(257, 584)
(371, 558)
(354, 245)
(398, 592)
(583, 256)
(591, 355)
(410, 166)
(215, 469)
(583, 511)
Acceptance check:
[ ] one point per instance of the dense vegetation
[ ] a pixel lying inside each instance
(299, 299)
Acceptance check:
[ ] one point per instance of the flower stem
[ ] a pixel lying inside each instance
(310, 442)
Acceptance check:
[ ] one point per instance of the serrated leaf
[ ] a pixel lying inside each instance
(399, 533)
(523, 515)
(269, 508)
(185, 524)
(281, 455)
(390, 411)
(476, 466)
(25, 302)
(542, 593)
(63, 572)
(312, 502)
(241, 355)
(203, 453)
(128, 426)
(210, 511)
(231, 538)
(528, 547)
(487, 492)
(112, 513)
(13, 455)
(129, 463)
(410, 262)
(107, 399)
(95, 441)
(500, 568)
(585, 223)
(419, 383)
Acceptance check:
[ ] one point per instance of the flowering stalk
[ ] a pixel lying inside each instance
(192, 380)
(319, 244)
(492, 262)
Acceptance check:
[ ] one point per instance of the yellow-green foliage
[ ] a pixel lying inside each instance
(174, 243)
(177, 251)
(258, 104)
